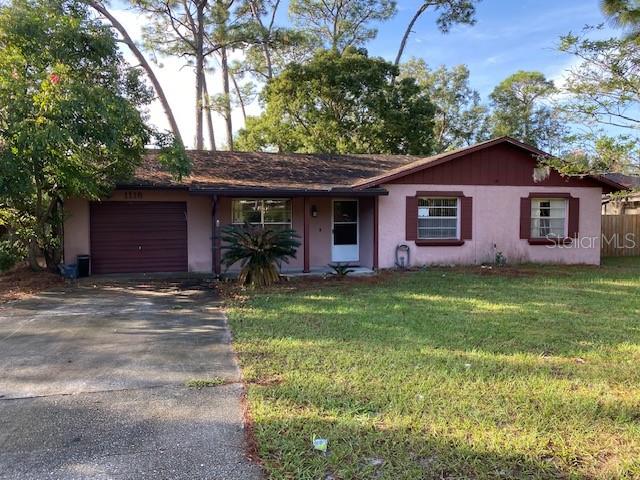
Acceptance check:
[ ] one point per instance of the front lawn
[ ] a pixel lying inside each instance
(517, 373)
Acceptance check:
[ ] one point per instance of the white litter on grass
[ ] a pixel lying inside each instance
(320, 444)
(467, 365)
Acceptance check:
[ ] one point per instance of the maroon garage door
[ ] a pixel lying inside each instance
(129, 237)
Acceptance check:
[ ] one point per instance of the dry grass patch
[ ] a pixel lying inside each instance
(21, 283)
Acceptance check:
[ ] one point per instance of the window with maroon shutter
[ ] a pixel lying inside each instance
(547, 218)
(466, 218)
(525, 218)
(574, 217)
(412, 219)
(439, 218)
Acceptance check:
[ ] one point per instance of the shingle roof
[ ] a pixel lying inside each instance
(238, 170)
(629, 181)
(224, 171)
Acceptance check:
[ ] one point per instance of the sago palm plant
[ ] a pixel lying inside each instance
(259, 251)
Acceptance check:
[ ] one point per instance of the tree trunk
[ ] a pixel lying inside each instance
(145, 65)
(227, 96)
(266, 34)
(240, 99)
(51, 252)
(407, 32)
(199, 74)
(32, 256)
(207, 104)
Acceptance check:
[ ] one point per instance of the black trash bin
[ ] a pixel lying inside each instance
(84, 265)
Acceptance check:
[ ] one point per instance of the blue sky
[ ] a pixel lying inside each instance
(509, 35)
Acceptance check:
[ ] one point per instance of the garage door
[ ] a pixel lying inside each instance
(128, 237)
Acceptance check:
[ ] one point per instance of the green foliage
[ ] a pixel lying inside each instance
(200, 383)
(340, 24)
(452, 12)
(69, 124)
(604, 86)
(172, 157)
(460, 118)
(624, 14)
(11, 252)
(341, 269)
(598, 154)
(259, 251)
(342, 104)
(11, 249)
(604, 98)
(521, 109)
(268, 47)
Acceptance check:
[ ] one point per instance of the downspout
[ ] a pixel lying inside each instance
(215, 247)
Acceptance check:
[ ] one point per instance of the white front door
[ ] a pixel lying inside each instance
(345, 230)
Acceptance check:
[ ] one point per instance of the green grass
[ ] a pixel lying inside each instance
(528, 373)
(201, 383)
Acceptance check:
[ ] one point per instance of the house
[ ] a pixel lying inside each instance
(627, 205)
(458, 207)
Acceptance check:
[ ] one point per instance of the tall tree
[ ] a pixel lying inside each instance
(69, 124)
(343, 104)
(450, 13)
(340, 24)
(181, 28)
(128, 41)
(521, 109)
(223, 36)
(269, 47)
(460, 118)
(263, 17)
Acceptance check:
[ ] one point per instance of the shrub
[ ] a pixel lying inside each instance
(259, 251)
(10, 254)
(340, 269)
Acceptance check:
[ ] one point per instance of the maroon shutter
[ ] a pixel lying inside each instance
(574, 217)
(412, 218)
(466, 218)
(525, 218)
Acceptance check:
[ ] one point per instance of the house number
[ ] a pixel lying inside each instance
(133, 195)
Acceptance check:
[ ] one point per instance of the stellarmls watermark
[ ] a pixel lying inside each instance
(617, 241)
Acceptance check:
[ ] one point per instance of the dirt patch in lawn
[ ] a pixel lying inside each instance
(21, 282)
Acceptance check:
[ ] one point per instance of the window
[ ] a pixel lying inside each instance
(274, 214)
(438, 218)
(548, 218)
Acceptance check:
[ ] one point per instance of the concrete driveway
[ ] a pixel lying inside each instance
(92, 385)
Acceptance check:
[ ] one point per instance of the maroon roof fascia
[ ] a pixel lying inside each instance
(439, 159)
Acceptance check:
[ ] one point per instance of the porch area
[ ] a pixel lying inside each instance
(331, 229)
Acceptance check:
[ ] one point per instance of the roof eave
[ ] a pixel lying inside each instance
(286, 192)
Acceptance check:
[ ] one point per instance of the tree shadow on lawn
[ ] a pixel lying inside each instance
(489, 356)
(542, 319)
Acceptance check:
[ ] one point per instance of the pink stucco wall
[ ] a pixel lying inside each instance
(496, 227)
(76, 229)
(199, 226)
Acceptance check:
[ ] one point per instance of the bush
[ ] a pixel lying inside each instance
(259, 251)
(10, 253)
